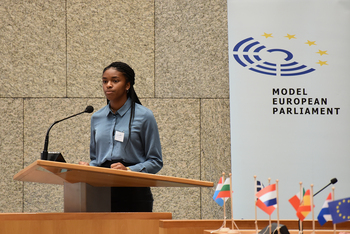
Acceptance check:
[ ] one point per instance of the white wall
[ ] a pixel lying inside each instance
(296, 147)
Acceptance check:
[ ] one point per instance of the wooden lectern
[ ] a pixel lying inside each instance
(87, 188)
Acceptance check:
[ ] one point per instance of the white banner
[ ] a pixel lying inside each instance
(290, 99)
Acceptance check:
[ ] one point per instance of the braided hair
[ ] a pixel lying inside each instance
(129, 75)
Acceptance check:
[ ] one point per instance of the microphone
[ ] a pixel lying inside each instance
(333, 181)
(52, 156)
(89, 109)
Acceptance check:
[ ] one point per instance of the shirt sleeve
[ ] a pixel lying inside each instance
(152, 147)
(92, 145)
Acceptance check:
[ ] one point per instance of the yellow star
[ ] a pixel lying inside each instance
(322, 52)
(322, 62)
(266, 35)
(290, 36)
(310, 43)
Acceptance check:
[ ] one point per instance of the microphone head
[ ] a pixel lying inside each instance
(89, 109)
(334, 180)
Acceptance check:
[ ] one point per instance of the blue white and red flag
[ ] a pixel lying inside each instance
(268, 195)
(325, 214)
(267, 199)
(219, 201)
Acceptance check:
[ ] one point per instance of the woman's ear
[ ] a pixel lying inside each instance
(127, 86)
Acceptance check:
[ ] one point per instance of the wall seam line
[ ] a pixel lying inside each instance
(66, 10)
(154, 48)
(200, 157)
(23, 153)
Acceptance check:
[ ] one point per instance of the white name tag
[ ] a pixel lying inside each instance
(119, 136)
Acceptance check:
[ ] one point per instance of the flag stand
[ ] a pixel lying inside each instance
(305, 208)
(301, 222)
(223, 228)
(269, 180)
(334, 225)
(256, 215)
(267, 201)
(278, 208)
(312, 209)
(225, 193)
(232, 221)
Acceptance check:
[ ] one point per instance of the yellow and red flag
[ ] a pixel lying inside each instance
(305, 207)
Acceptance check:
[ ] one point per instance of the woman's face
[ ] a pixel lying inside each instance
(114, 85)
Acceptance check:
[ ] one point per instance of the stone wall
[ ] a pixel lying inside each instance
(51, 58)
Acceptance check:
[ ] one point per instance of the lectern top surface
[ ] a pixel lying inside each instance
(50, 172)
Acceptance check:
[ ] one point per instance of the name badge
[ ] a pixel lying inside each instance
(119, 136)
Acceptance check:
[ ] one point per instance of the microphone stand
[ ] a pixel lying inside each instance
(333, 181)
(45, 155)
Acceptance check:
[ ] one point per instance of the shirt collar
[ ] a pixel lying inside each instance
(122, 109)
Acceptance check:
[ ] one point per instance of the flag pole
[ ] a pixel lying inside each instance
(232, 227)
(334, 225)
(256, 215)
(232, 231)
(278, 208)
(312, 209)
(223, 178)
(269, 179)
(301, 198)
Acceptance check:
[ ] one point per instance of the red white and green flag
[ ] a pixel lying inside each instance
(225, 191)
(295, 200)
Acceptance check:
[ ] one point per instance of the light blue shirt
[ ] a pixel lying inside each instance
(143, 150)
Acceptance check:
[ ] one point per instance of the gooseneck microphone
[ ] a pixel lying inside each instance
(333, 181)
(44, 154)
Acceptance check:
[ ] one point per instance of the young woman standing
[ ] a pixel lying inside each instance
(124, 136)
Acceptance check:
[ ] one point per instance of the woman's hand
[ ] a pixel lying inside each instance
(118, 166)
(83, 163)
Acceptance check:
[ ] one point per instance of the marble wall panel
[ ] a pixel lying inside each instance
(11, 154)
(51, 50)
(32, 48)
(191, 58)
(215, 152)
(179, 127)
(71, 137)
(101, 32)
